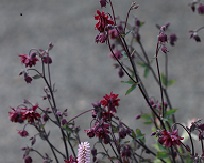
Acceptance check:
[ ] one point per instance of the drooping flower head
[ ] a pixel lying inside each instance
(28, 60)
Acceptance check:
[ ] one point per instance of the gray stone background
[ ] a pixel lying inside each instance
(81, 69)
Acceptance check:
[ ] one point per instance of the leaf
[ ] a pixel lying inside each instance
(170, 112)
(37, 76)
(146, 72)
(162, 155)
(164, 80)
(171, 82)
(131, 89)
(139, 135)
(147, 117)
(146, 68)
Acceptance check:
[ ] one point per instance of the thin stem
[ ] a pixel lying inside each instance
(160, 85)
(77, 116)
(191, 140)
(106, 151)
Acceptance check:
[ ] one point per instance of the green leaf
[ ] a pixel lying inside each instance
(133, 134)
(170, 112)
(162, 155)
(146, 116)
(148, 122)
(146, 68)
(139, 135)
(171, 82)
(131, 89)
(164, 80)
(37, 76)
(146, 72)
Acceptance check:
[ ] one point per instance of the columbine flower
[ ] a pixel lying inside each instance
(100, 130)
(23, 133)
(164, 49)
(27, 159)
(173, 39)
(27, 78)
(162, 37)
(16, 116)
(201, 8)
(101, 37)
(113, 33)
(28, 60)
(169, 139)
(84, 153)
(103, 21)
(103, 3)
(30, 114)
(110, 99)
(117, 55)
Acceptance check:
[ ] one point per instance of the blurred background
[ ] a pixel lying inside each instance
(81, 68)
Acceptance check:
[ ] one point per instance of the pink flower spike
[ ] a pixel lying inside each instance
(84, 152)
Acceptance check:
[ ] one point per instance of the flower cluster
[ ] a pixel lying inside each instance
(19, 115)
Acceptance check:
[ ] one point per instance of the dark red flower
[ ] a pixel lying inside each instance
(30, 114)
(103, 21)
(27, 159)
(27, 78)
(201, 8)
(103, 3)
(100, 130)
(23, 133)
(173, 39)
(110, 99)
(162, 37)
(169, 139)
(28, 60)
(16, 116)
